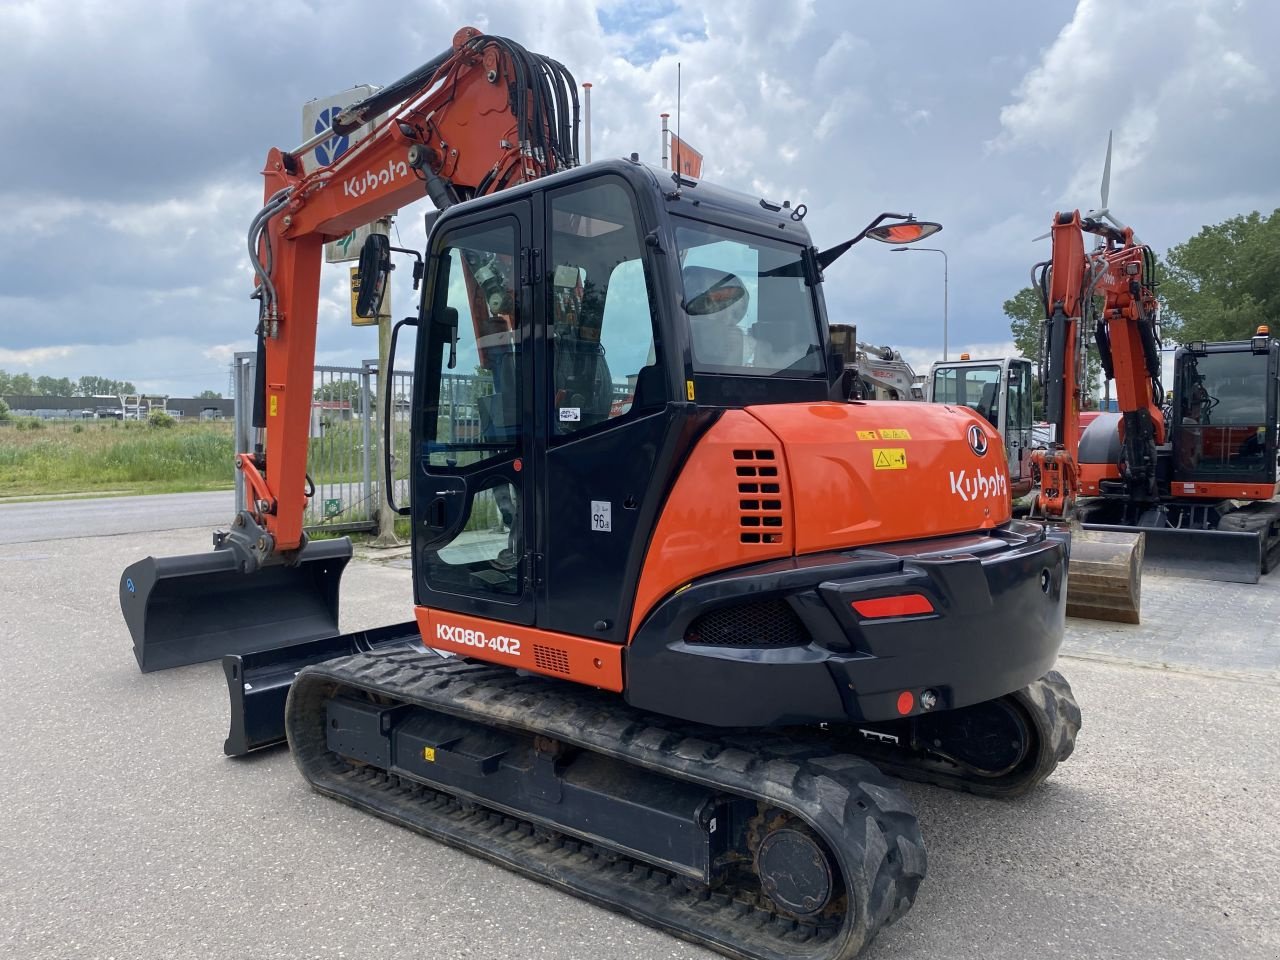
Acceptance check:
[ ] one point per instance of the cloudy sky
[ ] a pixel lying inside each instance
(135, 141)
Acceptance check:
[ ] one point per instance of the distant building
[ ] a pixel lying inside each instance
(111, 408)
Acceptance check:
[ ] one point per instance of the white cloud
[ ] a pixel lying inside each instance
(34, 356)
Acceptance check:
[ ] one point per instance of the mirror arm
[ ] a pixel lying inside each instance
(419, 268)
(832, 254)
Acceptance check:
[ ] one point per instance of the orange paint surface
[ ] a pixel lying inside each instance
(792, 479)
(562, 655)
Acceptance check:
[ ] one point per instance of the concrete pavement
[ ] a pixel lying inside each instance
(32, 521)
(126, 833)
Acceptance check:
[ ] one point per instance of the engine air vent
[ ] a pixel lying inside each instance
(552, 659)
(759, 496)
(763, 623)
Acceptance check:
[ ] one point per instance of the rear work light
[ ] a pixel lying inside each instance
(904, 605)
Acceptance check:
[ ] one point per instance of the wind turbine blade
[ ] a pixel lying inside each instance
(1106, 174)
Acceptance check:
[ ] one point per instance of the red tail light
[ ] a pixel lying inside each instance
(905, 605)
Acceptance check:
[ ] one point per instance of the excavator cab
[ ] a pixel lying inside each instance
(999, 391)
(1224, 413)
(624, 329)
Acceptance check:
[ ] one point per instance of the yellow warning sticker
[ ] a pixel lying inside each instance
(688, 388)
(890, 458)
(429, 754)
(867, 435)
(898, 434)
(274, 401)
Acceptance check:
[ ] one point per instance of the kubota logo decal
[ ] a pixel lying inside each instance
(374, 179)
(978, 485)
(978, 440)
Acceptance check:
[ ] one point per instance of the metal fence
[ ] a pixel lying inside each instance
(346, 434)
(341, 458)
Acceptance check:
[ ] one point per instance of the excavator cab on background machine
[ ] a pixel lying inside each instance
(1000, 392)
(1213, 514)
(679, 606)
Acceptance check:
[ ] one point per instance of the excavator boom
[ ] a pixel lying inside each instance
(482, 116)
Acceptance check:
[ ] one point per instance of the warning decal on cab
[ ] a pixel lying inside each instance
(889, 458)
(867, 435)
(896, 434)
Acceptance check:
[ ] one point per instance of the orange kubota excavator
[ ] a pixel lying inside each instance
(679, 605)
(1196, 482)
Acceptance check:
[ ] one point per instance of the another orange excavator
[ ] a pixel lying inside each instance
(679, 605)
(1195, 478)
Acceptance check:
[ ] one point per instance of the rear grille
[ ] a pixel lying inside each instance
(765, 623)
(759, 496)
(552, 659)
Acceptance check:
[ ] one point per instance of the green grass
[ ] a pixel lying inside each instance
(115, 457)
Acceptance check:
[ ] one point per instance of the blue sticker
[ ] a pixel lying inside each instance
(128, 584)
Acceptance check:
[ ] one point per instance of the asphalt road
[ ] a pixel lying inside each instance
(101, 516)
(125, 833)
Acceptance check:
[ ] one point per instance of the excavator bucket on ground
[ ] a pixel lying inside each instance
(1228, 556)
(1105, 579)
(198, 607)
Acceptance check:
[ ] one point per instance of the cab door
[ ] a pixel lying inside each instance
(1017, 416)
(474, 474)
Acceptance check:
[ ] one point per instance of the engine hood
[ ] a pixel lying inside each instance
(884, 471)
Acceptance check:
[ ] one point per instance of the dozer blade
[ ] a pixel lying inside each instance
(1225, 555)
(258, 683)
(1104, 579)
(200, 606)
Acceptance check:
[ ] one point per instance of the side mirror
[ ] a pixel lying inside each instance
(375, 267)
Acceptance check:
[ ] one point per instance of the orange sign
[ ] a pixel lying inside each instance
(684, 159)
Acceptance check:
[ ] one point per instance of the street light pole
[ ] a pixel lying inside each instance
(945, 283)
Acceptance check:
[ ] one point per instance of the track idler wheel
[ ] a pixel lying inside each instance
(1001, 748)
(795, 869)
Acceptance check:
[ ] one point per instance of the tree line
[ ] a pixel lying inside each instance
(25, 385)
(1221, 284)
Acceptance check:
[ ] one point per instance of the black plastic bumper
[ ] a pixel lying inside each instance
(999, 606)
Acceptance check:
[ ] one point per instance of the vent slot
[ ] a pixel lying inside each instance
(552, 659)
(764, 623)
(751, 467)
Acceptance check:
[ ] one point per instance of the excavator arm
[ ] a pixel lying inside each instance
(482, 116)
(1108, 291)
(490, 115)
(1117, 274)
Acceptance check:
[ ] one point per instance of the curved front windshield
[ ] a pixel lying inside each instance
(747, 304)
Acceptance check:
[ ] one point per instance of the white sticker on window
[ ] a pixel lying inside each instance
(570, 414)
(601, 516)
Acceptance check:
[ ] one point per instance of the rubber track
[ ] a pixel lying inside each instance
(863, 817)
(1054, 716)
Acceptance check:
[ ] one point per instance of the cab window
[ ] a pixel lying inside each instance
(600, 321)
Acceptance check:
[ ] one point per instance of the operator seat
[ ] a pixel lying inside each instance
(989, 404)
(583, 382)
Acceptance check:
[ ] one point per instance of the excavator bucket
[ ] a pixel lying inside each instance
(200, 607)
(1228, 556)
(1105, 578)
